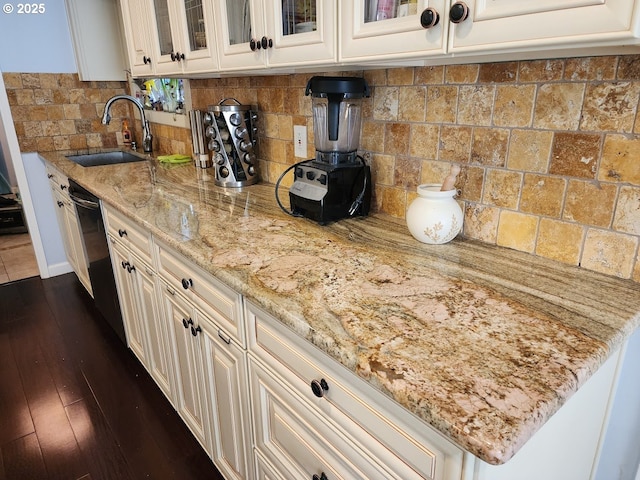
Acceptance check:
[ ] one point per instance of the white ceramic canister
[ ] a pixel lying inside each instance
(434, 216)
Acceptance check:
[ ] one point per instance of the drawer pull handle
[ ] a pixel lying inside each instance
(322, 476)
(171, 291)
(224, 338)
(319, 387)
(186, 322)
(122, 233)
(149, 271)
(186, 283)
(194, 331)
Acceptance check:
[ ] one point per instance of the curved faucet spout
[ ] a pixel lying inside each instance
(147, 138)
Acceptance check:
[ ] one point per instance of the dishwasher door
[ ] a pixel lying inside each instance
(94, 236)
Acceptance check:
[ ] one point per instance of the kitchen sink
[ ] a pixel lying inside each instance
(106, 158)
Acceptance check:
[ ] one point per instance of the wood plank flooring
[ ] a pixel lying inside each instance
(75, 403)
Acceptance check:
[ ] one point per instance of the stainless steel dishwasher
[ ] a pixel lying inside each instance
(94, 237)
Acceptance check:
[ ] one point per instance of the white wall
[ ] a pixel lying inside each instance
(35, 43)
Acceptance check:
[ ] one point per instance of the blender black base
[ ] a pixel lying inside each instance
(327, 193)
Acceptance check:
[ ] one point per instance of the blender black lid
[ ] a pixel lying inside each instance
(352, 87)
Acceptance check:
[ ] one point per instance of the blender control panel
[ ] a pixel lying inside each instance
(310, 181)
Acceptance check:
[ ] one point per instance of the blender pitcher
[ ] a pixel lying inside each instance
(337, 117)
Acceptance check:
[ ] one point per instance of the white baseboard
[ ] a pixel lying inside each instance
(59, 269)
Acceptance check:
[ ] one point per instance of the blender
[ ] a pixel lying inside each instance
(336, 183)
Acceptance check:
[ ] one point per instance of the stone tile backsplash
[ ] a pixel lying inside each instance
(549, 149)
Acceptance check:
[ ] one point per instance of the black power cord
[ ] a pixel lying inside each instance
(355, 206)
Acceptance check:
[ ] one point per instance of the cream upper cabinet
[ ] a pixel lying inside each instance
(438, 29)
(530, 25)
(370, 33)
(168, 37)
(254, 34)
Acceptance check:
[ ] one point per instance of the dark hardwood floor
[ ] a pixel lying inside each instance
(75, 403)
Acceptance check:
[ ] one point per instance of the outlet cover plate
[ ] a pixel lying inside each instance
(300, 141)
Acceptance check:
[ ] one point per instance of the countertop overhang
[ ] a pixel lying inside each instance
(483, 343)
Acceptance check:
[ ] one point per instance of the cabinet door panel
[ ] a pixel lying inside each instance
(507, 24)
(237, 22)
(225, 367)
(198, 43)
(137, 37)
(303, 32)
(364, 40)
(189, 380)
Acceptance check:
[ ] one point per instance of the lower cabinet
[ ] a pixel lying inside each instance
(211, 384)
(70, 229)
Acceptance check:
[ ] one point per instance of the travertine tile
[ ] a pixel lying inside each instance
(590, 203)
(481, 222)
(429, 75)
(542, 195)
(498, 72)
(455, 144)
(383, 169)
(514, 105)
(610, 107)
(559, 241)
(31, 80)
(489, 146)
(517, 231)
(461, 73)
(475, 104)
(575, 154)
(433, 171)
(270, 125)
(470, 183)
(558, 106)
(627, 217)
(392, 201)
(12, 80)
(619, 162)
(24, 97)
(372, 137)
(396, 138)
(530, 150)
(590, 68)
(635, 276)
(540, 70)
(609, 252)
(400, 76)
(424, 141)
(407, 172)
(386, 103)
(442, 103)
(628, 67)
(502, 188)
(412, 104)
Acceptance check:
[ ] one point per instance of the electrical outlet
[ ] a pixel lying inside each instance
(300, 141)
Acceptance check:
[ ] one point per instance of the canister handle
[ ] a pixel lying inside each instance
(229, 98)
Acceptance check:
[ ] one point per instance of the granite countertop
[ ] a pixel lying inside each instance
(483, 343)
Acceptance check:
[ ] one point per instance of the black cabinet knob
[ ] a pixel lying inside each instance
(266, 42)
(122, 233)
(429, 18)
(319, 387)
(146, 60)
(124, 264)
(186, 283)
(131, 268)
(322, 476)
(458, 12)
(253, 45)
(60, 204)
(186, 322)
(49, 175)
(63, 187)
(194, 331)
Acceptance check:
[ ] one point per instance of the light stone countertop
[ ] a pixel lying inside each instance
(483, 343)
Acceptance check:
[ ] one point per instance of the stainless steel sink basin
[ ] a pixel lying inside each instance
(107, 158)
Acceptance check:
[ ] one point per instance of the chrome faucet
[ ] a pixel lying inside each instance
(147, 138)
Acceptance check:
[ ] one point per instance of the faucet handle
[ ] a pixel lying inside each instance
(134, 145)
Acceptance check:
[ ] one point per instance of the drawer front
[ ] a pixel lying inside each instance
(58, 180)
(384, 428)
(298, 441)
(129, 234)
(214, 298)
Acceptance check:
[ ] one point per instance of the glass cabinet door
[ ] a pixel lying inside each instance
(196, 32)
(378, 10)
(163, 25)
(238, 21)
(299, 16)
